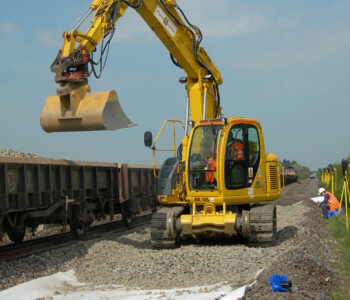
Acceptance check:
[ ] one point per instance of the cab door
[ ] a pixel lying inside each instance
(242, 157)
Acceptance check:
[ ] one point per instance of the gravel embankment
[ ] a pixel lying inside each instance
(309, 263)
(301, 252)
(130, 260)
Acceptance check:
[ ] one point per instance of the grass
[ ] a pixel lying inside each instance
(341, 236)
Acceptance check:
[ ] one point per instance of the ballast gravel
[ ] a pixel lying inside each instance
(18, 154)
(129, 259)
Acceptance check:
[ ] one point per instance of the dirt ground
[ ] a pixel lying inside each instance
(309, 265)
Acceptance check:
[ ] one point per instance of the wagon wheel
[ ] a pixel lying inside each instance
(17, 229)
(78, 229)
(78, 223)
(127, 216)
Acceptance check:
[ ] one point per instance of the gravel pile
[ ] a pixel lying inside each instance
(301, 252)
(14, 153)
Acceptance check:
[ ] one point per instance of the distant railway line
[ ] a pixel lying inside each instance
(289, 175)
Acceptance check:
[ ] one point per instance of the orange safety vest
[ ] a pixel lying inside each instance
(332, 201)
(237, 150)
(211, 168)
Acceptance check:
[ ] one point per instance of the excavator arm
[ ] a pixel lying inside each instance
(71, 63)
(75, 108)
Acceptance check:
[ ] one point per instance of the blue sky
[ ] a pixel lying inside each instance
(285, 63)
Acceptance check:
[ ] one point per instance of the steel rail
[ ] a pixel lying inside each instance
(40, 245)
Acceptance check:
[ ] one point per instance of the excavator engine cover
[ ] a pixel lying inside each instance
(81, 110)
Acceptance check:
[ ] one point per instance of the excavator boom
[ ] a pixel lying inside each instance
(75, 108)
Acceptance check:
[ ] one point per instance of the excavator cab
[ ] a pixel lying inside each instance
(228, 159)
(224, 171)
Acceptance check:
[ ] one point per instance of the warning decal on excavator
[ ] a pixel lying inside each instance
(168, 24)
(250, 172)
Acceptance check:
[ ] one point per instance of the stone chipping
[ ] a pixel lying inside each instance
(18, 154)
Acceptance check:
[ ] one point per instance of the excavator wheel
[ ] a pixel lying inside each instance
(263, 226)
(160, 237)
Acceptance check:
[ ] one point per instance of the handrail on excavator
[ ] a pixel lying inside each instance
(153, 147)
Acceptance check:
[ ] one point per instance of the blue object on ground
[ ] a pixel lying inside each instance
(334, 212)
(275, 282)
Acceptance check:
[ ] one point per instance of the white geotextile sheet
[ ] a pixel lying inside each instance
(66, 286)
(317, 199)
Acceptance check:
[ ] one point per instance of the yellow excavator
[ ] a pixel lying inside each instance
(220, 182)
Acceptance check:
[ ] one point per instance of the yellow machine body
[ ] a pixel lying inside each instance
(221, 169)
(254, 177)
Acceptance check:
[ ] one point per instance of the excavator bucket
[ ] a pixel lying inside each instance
(81, 110)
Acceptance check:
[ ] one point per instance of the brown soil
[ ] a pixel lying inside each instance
(309, 264)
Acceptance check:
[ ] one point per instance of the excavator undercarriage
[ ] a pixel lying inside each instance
(257, 225)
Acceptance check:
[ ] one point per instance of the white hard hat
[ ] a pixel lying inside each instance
(321, 190)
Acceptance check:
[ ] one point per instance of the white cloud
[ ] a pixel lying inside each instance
(131, 28)
(225, 19)
(311, 48)
(8, 29)
(49, 37)
(227, 28)
(214, 22)
(8, 32)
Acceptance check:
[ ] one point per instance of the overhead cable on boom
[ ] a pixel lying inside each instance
(113, 12)
(137, 5)
(197, 38)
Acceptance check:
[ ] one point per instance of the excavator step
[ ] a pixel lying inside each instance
(263, 224)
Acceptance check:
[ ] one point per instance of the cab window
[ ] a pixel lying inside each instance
(254, 148)
(242, 156)
(202, 162)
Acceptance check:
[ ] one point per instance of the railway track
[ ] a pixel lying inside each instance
(35, 246)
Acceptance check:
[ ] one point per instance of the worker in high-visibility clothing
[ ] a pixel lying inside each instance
(330, 202)
(237, 150)
(210, 174)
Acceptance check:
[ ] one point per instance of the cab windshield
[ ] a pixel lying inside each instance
(202, 162)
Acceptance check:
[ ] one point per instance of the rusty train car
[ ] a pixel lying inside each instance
(47, 191)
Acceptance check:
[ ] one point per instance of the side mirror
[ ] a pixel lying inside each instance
(148, 139)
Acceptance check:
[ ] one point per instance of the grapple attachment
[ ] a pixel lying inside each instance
(80, 110)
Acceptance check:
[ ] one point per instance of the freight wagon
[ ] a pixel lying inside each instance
(47, 191)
